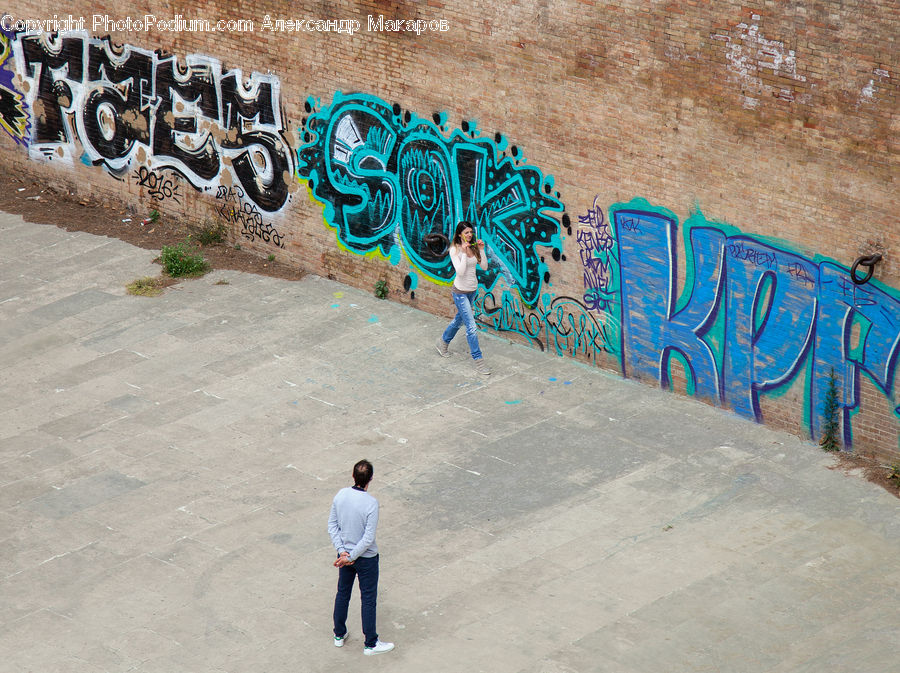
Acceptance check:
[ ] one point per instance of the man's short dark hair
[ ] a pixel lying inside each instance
(362, 473)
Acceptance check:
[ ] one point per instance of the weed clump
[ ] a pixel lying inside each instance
(381, 289)
(894, 476)
(211, 232)
(182, 259)
(831, 426)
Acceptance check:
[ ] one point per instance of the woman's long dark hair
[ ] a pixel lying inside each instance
(457, 238)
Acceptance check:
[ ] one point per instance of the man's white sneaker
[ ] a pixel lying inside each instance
(443, 347)
(339, 642)
(380, 648)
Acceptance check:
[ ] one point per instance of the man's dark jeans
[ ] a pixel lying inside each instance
(367, 571)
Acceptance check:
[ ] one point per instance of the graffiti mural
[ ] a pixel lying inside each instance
(558, 324)
(391, 181)
(13, 115)
(752, 318)
(123, 108)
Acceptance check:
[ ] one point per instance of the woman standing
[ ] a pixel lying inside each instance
(466, 253)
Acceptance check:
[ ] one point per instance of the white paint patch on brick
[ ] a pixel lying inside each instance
(748, 54)
(868, 92)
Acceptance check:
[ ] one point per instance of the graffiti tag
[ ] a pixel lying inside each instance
(236, 211)
(159, 187)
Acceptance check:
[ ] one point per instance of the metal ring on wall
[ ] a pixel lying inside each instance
(437, 244)
(870, 262)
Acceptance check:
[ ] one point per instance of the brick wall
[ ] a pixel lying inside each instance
(769, 130)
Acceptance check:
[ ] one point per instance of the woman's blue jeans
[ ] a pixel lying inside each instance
(366, 569)
(465, 315)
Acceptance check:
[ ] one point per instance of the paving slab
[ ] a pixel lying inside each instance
(167, 466)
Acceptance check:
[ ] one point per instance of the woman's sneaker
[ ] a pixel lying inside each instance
(443, 348)
(339, 642)
(380, 648)
(482, 368)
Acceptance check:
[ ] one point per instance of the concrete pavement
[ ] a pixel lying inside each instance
(167, 465)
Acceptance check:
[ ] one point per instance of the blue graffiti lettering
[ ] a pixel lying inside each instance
(752, 318)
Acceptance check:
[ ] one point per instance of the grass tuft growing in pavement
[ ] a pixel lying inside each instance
(145, 287)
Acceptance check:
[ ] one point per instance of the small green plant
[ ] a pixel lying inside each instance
(145, 287)
(271, 258)
(830, 408)
(381, 289)
(154, 215)
(237, 246)
(183, 260)
(210, 232)
(894, 476)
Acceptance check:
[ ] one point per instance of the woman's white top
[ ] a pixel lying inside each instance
(465, 266)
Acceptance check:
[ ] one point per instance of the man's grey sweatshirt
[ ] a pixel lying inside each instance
(352, 523)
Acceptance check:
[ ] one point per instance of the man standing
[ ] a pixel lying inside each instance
(351, 525)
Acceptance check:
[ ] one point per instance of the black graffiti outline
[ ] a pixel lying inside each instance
(193, 118)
